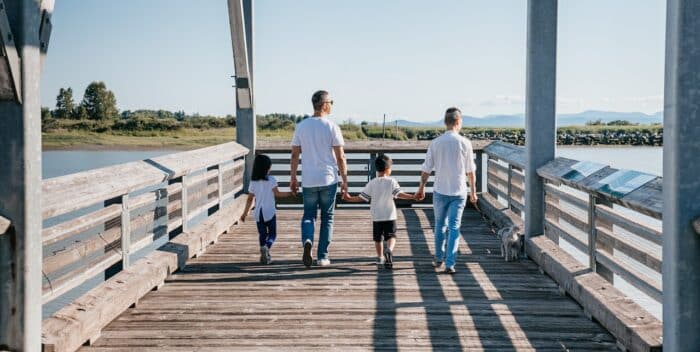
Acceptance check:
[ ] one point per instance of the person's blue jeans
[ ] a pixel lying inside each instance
(314, 198)
(267, 231)
(448, 219)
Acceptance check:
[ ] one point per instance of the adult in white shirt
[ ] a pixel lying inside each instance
(452, 158)
(321, 142)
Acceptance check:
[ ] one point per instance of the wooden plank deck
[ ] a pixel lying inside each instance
(225, 300)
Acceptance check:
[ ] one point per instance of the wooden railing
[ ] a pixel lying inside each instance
(407, 158)
(102, 220)
(607, 219)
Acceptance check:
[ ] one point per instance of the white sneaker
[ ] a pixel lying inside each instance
(380, 261)
(324, 262)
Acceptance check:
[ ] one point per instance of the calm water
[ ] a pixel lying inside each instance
(645, 159)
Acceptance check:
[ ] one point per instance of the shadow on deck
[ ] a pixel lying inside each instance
(224, 300)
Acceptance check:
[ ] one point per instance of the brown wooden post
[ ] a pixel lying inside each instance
(125, 231)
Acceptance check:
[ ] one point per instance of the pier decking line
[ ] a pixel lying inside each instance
(225, 300)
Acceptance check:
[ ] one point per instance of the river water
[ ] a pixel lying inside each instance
(645, 159)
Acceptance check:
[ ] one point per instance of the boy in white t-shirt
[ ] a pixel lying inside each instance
(381, 192)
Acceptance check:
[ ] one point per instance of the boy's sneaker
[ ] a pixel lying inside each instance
(308, 261)
(380, 261)
(437, 264)
(264, 253)
(269, 257)
(450, 270)
(324, 262)
(389, 259)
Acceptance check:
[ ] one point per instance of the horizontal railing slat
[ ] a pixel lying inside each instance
(578, 243)
(631, 275)
(56, 288)
(630, 249)
(628, 224)
(75, 226)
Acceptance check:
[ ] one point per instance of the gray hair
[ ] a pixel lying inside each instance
(452, 115)
(318, 98)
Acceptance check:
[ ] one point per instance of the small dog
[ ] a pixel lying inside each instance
(511, 242)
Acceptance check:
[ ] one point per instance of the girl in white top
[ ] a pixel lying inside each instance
(381, 192)
(263, 190)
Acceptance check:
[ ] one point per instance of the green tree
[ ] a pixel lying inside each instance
(45, 114)
(80, 113)
(99, 102)
(64, 104)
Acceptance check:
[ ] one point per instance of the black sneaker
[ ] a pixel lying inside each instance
(388, 259)
(308, 261)
(437, 264)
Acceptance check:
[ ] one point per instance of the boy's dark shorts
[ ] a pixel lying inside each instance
(387, 229)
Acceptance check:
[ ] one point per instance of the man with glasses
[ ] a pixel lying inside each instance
(321, 142)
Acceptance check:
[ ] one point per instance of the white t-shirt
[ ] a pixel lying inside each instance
(380, 192)
(452, 157)
(317, 136)
(264, 197)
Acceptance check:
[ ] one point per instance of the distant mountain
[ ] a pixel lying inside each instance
(518, 120)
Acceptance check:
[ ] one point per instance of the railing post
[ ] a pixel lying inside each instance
(185, 202)
(372, 170)
(126, 232)
(479, 171)
(539, 106)
(510, 186)
(681, 189)
(220, 180)
(600, 246)
(592, 200)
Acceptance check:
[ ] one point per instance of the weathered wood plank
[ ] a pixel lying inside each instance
(70, 228)
(395, 147)
(71, 326)
(225, 299)
(631, 275)
(619, 219)
(630, 249)
(512, 154)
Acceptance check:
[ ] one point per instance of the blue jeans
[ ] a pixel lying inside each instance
(319, 197)
(267, 231)
(448, 219)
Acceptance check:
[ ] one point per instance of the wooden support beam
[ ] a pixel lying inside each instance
(20, 177)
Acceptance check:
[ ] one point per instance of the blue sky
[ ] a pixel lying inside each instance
(406, 58)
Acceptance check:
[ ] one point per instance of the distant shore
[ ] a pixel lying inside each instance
(186, 139)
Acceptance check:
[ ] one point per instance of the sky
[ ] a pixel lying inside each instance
(408, 59)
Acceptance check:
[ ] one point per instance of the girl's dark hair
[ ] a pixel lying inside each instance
(261, 166)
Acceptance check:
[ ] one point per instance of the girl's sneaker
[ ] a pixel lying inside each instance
(264, 254)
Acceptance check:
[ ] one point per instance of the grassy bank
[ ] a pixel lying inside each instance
(191, 138)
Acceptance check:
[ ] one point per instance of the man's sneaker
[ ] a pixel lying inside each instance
(324, 262)
(264, 253)
(269, 257)
(450, 270)
(389, 259)
(380, 261)
(437, 264)
(308, 261)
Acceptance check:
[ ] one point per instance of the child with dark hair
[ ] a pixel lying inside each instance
(381, 192)
(263, 190)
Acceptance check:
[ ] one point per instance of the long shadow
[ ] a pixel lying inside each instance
(443, 331)
(384, 333)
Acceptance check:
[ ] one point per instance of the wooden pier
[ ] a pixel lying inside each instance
(225, 300)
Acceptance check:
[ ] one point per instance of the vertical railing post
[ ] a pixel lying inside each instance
(20, 176)
(681, 189)
(371, 169)
(479, 171)
(220, 181)
(126, 232)
(592, 200)
(185, 203)
(539, 106)
(510, 186)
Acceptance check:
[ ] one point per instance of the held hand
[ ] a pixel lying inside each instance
(344, 188)
(346, 196)
(420, 194)
(473, 198)
(293, 186)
